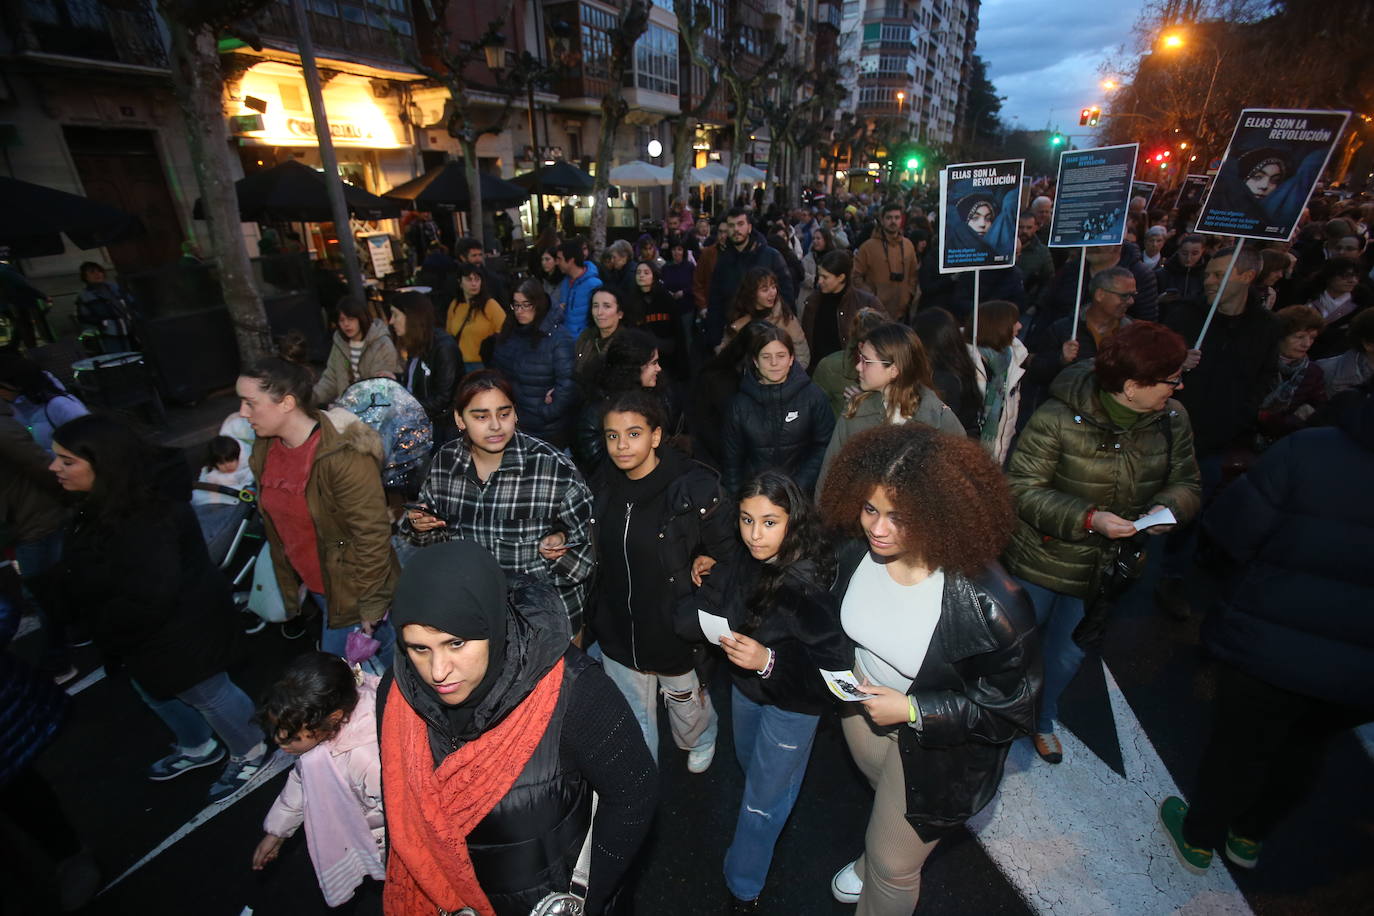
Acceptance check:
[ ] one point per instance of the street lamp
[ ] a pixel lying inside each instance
(1109, 85)
(901, 97)
(1174, 40)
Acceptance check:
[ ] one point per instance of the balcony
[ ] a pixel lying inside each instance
(89, 30)
(828, 13)
(358, 31)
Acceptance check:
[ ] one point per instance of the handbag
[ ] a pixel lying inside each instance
(1125, 563)
(264, 598)
(572, 902)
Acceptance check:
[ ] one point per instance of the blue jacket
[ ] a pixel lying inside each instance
(535, 362)
(1300, 610)
(577, 299)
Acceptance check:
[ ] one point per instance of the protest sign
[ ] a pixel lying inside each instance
(1270, 168)
(1091, 196)
(1192, 192)
(979, 206)
(1145, 189)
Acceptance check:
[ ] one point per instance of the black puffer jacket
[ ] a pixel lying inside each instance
(976, 691)
(432, 376)
(785, 426)
(731, 266)
(1299, 525)
(537, 361)
(147, 593)
(1178, 283)
(802, 628)
(32, 707)
(527, 844)
(633, 615)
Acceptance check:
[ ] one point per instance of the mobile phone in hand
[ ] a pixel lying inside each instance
(425, 510)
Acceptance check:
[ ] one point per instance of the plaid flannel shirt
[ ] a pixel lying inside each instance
(536, 491)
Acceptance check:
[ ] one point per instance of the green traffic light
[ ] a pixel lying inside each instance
(1056, 140)
(913, 163)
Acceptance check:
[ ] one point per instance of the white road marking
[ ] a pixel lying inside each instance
(280, 761)
(94, 677)
(27, 624)
(1076, 838)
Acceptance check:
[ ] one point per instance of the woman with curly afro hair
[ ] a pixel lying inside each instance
(946, 645)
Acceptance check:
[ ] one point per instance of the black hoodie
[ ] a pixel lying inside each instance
(785, 427)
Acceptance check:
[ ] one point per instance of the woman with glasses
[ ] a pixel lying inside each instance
(895, 386)
(778, 420)
(535, 352)
(1110, 446)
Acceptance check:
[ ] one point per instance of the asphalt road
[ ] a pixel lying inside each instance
(1065, 859)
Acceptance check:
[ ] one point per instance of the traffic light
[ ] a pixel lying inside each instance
(1094, 116)
(913, 163)
(1083, 117)
(1056, 139)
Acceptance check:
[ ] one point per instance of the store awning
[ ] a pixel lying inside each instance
(446, 189)
(294, 192)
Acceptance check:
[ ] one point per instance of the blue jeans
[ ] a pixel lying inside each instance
(1056, 617)
(334, 640)
(38, 569)
(773, 747)
(691, 717)
(215, 703)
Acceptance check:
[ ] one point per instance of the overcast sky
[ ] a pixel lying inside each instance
(1044, 57)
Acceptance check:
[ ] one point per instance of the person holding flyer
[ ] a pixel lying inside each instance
(773, 589)
(947, 646)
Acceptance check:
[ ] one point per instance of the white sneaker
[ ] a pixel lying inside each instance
(846, 886)
(699, 758)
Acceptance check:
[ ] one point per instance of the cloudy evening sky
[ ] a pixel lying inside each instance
(1044, 57)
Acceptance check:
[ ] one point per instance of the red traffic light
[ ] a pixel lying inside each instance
(1168, 153)
(1083, 117)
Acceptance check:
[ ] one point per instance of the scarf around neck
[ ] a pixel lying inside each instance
(431, 811)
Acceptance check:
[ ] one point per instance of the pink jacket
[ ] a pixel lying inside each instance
(355, 754)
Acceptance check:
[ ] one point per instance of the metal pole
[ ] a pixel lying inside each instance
(1078, 296)
(976, 275)
(332, 182)
(538, 164)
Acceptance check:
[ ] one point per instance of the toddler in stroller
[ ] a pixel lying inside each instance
(224, 498)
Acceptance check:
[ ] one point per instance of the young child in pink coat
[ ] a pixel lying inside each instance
(325, 714)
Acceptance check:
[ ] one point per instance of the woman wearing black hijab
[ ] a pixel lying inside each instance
(520, 727)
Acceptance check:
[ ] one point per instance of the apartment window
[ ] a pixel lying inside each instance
(596, 41)
(656, 60)
(892, 64)
(896, 9)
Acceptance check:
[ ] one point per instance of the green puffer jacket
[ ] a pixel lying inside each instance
(1072, 458)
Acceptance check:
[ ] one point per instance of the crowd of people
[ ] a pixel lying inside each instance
(767, 444)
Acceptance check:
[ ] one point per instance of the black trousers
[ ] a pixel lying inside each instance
(31, 804)
(1265, 750)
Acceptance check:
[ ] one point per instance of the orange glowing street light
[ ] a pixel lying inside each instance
(901, 97)
(1109, 85)
(1173, 40)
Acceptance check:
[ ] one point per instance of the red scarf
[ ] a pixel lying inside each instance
(430, 812)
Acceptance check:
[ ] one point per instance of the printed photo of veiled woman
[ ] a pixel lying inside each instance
(1268, 184)
(984, 222)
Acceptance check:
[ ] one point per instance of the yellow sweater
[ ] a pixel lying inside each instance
(470, 334)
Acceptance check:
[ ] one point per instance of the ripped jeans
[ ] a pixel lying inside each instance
(773, 747)
(691, 717)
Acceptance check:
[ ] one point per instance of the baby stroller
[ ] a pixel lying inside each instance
(234, 533)
(407, 436)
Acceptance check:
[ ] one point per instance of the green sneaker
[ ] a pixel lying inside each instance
(1241, 851)
(1171, 815)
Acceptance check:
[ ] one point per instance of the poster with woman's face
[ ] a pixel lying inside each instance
(980, 203)
(1269, 171)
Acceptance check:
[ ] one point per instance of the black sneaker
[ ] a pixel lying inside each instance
(179, 761)
(237, 774)
(1172, 598)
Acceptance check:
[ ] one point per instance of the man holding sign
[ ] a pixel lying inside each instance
(1227, 377)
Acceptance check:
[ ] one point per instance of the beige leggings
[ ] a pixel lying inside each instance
(894, 854)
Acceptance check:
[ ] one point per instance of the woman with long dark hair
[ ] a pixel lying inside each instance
(430, 359)
(773, 587)
(658, 314)
(760, 299)
(778, 420)
(535, 352)
(630, 363)
(474, 316)
(139, 578)
(952, 370)
(1001, 360)
(946, 645)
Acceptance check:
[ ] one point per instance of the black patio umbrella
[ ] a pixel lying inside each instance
(561, 178)
(294, 192)
(445, 189)
(34, 218)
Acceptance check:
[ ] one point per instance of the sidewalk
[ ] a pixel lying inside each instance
(192, 427)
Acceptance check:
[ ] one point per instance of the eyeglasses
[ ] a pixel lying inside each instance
(1174, 383)
(519, 306)
(1130, 297)
(875, 362)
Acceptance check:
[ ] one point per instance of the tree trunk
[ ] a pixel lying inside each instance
(683, 132)
(773, 169)
(476, 228)
(612, 110)
(794, 175)
(198, 83)
(736, 144)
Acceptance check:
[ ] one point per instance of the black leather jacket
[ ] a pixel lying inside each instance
(434, 376)
(976, 691)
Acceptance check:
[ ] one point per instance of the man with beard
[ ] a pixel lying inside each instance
(886, 265)
(743, 247)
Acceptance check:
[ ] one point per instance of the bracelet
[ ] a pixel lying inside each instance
(910, 711)
(767, 669)
(1088, 520)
